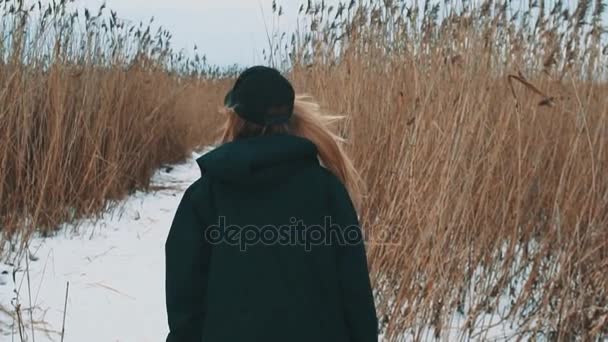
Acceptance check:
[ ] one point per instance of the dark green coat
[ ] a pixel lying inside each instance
(288, 283)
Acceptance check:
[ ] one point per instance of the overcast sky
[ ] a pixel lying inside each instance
(226, 31)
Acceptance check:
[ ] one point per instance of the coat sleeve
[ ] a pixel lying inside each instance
(353, 273)
(186, 262)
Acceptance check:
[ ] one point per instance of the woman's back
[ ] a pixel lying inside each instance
(266, 246)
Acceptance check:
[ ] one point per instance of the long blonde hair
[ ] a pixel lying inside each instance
(308, 121)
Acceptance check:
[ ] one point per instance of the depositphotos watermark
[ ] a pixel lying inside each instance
(297, 233)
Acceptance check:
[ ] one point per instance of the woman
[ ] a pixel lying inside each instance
(266, 245)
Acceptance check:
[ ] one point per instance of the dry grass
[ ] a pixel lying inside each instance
(88, 111)
(483, 140)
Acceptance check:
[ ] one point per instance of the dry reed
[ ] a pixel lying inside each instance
(89, 108)
(482, 133)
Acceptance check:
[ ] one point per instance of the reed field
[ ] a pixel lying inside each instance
(480, 130)
(482, 135)
(89, 108)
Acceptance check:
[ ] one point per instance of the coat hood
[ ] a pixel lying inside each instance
(259, 159)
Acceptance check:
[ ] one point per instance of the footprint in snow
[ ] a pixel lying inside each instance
(5, 274)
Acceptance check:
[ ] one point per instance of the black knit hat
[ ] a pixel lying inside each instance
(262, 95)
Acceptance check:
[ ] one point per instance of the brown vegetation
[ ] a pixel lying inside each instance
(88, 114)
(483, 141)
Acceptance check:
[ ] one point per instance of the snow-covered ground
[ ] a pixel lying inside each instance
(115, 270)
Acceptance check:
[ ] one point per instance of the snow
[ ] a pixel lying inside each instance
(115, 270)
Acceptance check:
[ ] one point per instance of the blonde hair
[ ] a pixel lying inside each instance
(308, 121)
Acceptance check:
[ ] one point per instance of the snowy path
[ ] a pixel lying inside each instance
(115, 268)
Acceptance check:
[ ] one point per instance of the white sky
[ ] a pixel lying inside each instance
(226, 31)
